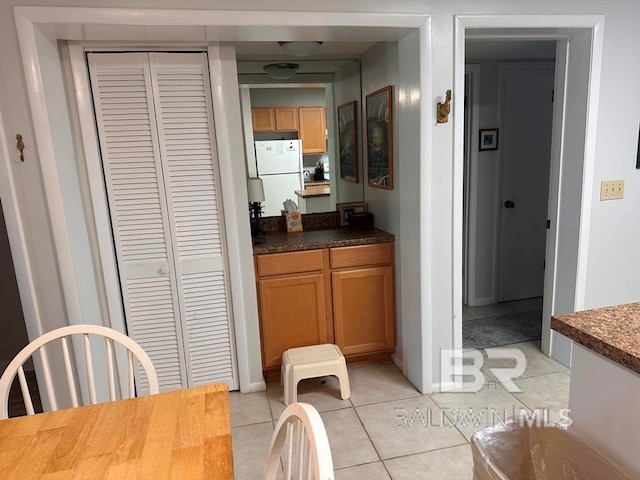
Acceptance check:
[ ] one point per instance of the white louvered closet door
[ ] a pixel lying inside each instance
(156, 135)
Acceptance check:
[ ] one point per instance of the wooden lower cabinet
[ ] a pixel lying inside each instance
(363, 310)
(292, 314)
(342, 295)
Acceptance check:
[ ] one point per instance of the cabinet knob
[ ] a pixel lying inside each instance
(164, 270)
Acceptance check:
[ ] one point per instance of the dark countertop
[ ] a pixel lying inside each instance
(278, 242)
(613, 332)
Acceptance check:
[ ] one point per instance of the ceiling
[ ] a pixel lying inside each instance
(332, 56)
(271, 51)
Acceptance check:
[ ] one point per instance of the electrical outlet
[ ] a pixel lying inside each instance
(611, 189)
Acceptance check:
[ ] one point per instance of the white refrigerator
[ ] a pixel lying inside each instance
(279, 164)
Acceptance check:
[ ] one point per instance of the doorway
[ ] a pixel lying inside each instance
(509, 104)
(571, 166)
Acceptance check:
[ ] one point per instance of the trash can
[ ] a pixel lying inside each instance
(517, 450)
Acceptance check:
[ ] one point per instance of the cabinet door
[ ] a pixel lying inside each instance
(292, 313)
(363, 310)
(312, 129)
(286, 118)
(263, 119)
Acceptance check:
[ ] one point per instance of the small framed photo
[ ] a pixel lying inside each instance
(488, 139)
(346, 209)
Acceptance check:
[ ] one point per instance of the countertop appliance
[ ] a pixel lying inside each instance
(279, 164)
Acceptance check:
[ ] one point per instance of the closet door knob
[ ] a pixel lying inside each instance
(164, 270)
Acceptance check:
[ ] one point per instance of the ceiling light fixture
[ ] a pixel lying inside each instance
(281, 71)
(300, 49)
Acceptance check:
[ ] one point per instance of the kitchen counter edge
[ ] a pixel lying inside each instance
(280, 242)
(613, 332)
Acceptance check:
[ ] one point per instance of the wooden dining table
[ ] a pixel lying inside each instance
(185, 434)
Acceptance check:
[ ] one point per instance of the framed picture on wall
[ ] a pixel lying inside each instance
(488, 139)
(348, 141)
(347, 209)
(380, 138)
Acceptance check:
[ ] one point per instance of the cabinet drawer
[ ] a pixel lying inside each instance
(376, 254)
(289, 262)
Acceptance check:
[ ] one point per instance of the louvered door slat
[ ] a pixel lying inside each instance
(185, 128)
(137, 202)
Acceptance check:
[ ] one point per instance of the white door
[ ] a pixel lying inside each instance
(525, 145)
(156, 131)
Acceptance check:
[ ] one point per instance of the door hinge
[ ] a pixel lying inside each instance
(466, 101)
(548, 224)
(544, 264)
(553, 95)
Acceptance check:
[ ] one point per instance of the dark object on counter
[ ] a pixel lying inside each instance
(255, 214)
(318, 175)
(361, 219)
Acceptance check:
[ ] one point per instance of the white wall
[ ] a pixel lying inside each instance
(612, 274)
(487, 192)
(379, 69)
(393, 63)
(14, 333)
(346, 88)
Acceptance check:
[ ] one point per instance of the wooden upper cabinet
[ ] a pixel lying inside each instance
(286, 118)
(263, 119)
(313, 126)
(274, 119)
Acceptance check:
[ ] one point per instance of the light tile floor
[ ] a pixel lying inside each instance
(387, 430)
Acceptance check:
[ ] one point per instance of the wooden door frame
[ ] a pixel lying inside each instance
(595, 23)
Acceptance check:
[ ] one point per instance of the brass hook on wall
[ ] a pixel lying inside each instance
(444, 108)
(20, 146)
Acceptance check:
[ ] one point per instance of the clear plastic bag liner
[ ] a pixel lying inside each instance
(519, 451)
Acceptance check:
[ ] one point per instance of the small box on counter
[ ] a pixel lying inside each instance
(294, 221)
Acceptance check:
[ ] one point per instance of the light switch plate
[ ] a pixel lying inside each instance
(611, 189)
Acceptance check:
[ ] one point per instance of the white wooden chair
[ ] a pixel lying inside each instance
(39, 345)
(301, 440)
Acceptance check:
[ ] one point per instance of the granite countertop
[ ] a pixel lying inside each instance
(314, 192)
(278, 242)
(613, 332)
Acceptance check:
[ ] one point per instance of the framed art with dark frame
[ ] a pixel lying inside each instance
(346, 209)
(380, 138)
(348, 141)
(488, 139)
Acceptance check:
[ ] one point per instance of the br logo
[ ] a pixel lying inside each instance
(458, 367)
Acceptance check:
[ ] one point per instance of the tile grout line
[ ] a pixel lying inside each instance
(355, 410)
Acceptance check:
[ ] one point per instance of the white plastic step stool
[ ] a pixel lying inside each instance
(311, 362)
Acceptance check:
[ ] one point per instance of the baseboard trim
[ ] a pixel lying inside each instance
(395, 358)
(257, 387)
(479, 302)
